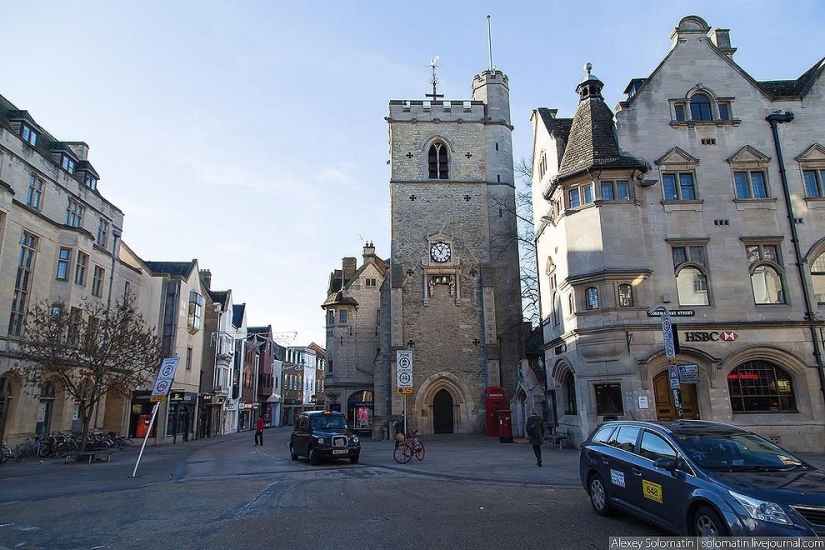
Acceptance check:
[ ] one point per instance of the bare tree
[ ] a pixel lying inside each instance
(88, 351)
(522, 209)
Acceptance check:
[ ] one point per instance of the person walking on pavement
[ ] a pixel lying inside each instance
(535, 434)
(259, 432)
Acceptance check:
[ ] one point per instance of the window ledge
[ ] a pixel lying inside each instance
(683, 206)
(705, 123)
(815, 202)
(756, 204)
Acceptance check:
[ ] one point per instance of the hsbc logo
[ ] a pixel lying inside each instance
(711, 336)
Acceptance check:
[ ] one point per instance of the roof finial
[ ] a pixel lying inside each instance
(588, 67)
(434, 80)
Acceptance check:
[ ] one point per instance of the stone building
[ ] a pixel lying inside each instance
(353, 337)
(702, 195)
(59, 242)
(452, 295)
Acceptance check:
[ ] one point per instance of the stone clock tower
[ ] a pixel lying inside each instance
(453, 293)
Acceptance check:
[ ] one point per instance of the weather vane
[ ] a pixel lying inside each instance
(434, 80)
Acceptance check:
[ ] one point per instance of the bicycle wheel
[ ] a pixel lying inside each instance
(44, 450)
(419, 452)
(402, 454)
(126, 444)
(24, 450)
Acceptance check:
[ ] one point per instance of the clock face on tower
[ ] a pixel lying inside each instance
(440, 252)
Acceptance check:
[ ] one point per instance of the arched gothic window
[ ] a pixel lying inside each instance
(766, 274)
(438, 161)
(760, 386)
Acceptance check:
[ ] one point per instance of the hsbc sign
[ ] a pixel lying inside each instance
(711, 336)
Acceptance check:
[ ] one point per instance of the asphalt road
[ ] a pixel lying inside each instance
(225, 493)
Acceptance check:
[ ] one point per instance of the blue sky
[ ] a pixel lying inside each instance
(251, 135)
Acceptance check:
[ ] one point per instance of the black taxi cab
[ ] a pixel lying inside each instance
(702, 478)
(322, 435)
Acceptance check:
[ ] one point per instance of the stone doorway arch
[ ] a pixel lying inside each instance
(443, 412)
(425, 408)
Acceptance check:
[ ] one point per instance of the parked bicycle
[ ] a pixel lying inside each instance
(5, 452)
(32, 448)
(409, 446)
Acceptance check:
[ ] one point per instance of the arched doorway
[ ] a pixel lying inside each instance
(443, 412)
(665, 409)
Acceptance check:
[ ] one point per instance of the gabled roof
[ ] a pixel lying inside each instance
(172, 269)
(336, 292)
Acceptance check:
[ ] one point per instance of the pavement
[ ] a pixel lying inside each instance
(477, 458)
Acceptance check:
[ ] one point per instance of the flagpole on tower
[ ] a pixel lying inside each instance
(490, 43)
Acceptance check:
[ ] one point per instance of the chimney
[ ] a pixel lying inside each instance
(721, 39)
(369, 252)
(79, 148)
(350, 265)
(206, 278)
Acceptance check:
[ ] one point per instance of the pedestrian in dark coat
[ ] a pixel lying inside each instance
(259, 432)
(535, 434)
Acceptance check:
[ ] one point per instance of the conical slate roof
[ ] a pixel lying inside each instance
(592, 141)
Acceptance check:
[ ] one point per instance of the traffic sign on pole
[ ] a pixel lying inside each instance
(404, 368)
(163, 382)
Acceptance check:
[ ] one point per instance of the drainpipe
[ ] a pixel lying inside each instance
(774, 119)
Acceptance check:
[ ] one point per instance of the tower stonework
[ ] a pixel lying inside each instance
(453, 292)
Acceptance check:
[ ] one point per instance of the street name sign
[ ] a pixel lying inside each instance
(673, 313)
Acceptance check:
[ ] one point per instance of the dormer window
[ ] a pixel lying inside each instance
(90, 181)
(28, 134)
(67, 163)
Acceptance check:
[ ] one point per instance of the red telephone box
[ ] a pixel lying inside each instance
(495, 402)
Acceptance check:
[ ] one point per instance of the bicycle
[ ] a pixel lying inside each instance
(409, 446)
(31, 448)
(5, 452)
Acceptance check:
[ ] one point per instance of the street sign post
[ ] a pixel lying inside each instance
(404, 376)
(163, 383)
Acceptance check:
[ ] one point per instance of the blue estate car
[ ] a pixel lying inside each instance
(701, 478)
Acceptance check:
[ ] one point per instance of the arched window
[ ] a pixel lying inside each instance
(569, 385)
(700, 107)
(438, 161)
(47, 390)
(760, 386)
(592, 297)
(692, 287)
(625, 295)
(766, 273)
(818, 278)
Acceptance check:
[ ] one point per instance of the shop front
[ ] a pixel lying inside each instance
(209, 415)
(180, 421)
(140, 414)
(360, 407)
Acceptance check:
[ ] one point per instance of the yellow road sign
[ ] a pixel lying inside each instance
(403, 390)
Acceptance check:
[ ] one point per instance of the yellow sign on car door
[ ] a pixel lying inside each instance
(653, 491)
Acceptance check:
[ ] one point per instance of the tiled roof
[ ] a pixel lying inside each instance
(555, 126)
(798, 87)
(592, 142)
(219, 296)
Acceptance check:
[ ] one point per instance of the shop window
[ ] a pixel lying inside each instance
(760, 386)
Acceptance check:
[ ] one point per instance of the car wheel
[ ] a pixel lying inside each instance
(314, 459)
(292, 453)
(708, 524)
(354, 458)
(598, 495)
